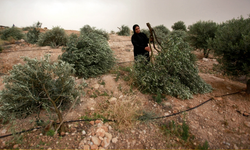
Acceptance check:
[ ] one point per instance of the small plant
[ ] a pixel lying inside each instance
(124, 31)
(205, 146)
(54, 37)
(51, 132)
(158, 97)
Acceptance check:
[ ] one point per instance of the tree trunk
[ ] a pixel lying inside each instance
(248, 87)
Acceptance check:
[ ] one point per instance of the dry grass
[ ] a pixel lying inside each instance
(124, 111)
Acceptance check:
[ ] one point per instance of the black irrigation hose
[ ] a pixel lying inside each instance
(57, 123)
(115, 120)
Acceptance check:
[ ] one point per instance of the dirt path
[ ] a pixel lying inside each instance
(221, 122)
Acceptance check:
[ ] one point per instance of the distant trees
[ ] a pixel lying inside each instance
(11, 33)
(54, 37)
(180, 25)
(33, 32)
(124, 31)
(232, 46)
(200, 32)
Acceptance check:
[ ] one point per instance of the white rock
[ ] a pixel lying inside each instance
(112, 100)
(114, 140)
(96, 140)
(247, 123)
(96, 86)
(3, 131)
(83, 132)
(205, 59)
(120, 96)
(108, 135)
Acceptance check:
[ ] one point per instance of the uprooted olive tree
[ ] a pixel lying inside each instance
(38, 84)
(173, 72)
(89, 53)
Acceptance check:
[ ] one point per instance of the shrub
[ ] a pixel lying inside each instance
(124, 31)
(33, 33)
(231, 44)
(30, 87)
(180, 25)
(13, 32)
(200, 32)
(91, 55)
(54, 37)
(174, 71)
(86, 30)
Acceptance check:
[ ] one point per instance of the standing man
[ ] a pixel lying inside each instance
(140, 43)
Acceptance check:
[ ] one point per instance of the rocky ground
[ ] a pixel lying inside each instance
(223, 122)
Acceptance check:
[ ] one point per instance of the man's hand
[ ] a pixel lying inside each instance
(147, 49)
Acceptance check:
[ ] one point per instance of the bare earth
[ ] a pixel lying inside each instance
(221, 121)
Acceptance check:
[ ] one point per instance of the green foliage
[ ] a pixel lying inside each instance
(13, 32)
(124, 31)
(26, 28)
(1, 45)
(87, 30)
(180, 25)
(174, 71)
(174, 129)
(161, 32)
(232, 45)
(199, 34)
(26, 86)
(54, 37)
(91, 54)
(51, 132)
(205, 146)
(33, 33)
(180, 34)
(145, 31)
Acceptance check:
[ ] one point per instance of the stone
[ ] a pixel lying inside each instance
(218, 98)
(101, 148)
(233, 119)
(205, 59)
(166, 103)
(86, 147)
(105, 143)
(114, 140)
(210, 133)
(110, 128)
(245, 114)
(247, 123)
(98, 121)
(100, 132)
(62, 133)
(108, 135)
(96, 86)
(94, 147)
(83, 132)
(120, 96)
(166, 114)
(3, 131)
(235, 146)
(112, 100)
(49, 148)
(105, 128)
(81, 144)
(15, 146)
(92, 122)
(96, 140)
(175, 111)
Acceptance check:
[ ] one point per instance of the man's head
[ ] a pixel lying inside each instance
(136, 28)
